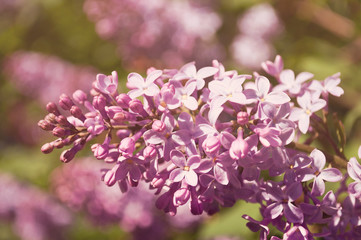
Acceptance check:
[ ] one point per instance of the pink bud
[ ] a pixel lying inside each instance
(211, 145)
(123, 100)
(101, 151)
(77, 112)
(242, 118)
(47, 148)
(65, 102)
(99, 102)
(149, 153)
(136, 106)
(127, 146)
(45, 125)
(239, 148)
(51, 118)
(79, 96)
(158, 126)
(60, 132)
(67, 155)
(52, 108)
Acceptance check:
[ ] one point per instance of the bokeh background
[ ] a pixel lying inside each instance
(49, 47)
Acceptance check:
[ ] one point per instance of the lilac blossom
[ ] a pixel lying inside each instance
(206, 139)
(308, 107)
(291, 83)
(321, 175)
(186, 168)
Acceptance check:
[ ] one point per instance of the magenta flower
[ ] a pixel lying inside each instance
(143, 87)
(184, 95)
(328, 86)
(321, 175)
(308, 107)
(283, 202)
(189, 71)
(185, 168)
(273, 68)
(261, 93)
(291, 83)
(354, 171)
(229, 89)
(107, 84)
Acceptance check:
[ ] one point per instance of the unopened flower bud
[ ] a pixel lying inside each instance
(149, 153)
(136, 106)
(63, 121)
(99, 102)
(47, 148)
(211, 145)
(45, 125)
(158, 126)
(77, 112)
(79, 96)
(239, 149)
(52, 108)
(60, 132)
(123, 100)
(51, 118)
(242, 118)
(127, 146)
(67, 155)
(65, 102)
(101, 151)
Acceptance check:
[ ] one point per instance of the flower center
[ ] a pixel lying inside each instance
(184, 96)
(308, 112)
(186, 168)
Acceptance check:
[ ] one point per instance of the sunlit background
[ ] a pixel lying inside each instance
(49, 47)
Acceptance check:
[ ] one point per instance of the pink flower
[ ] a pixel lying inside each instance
(141, 87)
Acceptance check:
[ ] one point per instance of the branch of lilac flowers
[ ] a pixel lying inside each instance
(336, 161)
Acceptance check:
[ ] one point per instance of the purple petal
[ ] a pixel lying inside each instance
(135, 80)
(190, 103)
(274, 210)
(303, 76)
(153, 137)
(151, 90)
(194, 161)
(294, 191)
(354, 169)
(292, 213)
(226, 139)
(304, 122)
(277, 98)
(287, 76)
(190, 87)
(331, 175)
(177, 175)
(191, 177)
(153, 76)
(318, 187)
(178, 158)
(263, 85)
(317, 105)
(216, 87)
(135, 93)
(319, 159)
(182, 137)
(185, 121)
(220, 175)
(134, 173)
(206, 72)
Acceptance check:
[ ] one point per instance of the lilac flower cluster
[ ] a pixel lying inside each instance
(157, 31)
(257, 26)
(77, 185)
(208, 137)
(34, 214)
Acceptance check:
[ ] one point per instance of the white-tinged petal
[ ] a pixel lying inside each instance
(153, 76)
